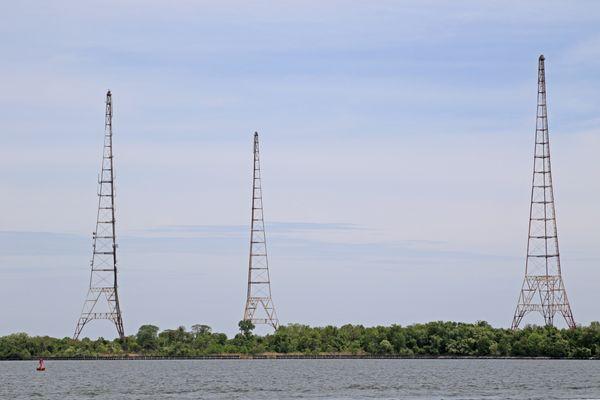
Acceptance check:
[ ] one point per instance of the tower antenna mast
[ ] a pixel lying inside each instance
(102, 301)
(259, 303)
(543, 289)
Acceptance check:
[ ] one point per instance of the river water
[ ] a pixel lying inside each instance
(302, 379)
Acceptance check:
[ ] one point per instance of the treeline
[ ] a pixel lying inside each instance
(430, 339)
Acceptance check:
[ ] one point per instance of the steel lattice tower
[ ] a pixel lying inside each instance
(543, 288)
(103, 277)
(259, 304)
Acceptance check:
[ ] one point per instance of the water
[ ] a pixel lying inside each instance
(302, 379)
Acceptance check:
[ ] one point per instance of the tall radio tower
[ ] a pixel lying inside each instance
(543, 288)
(259, 304)
(103, 277)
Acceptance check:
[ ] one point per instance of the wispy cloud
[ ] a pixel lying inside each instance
(272, 227)
(42, 243)
(288, 239)
(584, 53)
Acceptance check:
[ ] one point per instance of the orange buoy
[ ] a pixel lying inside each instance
(41, 366)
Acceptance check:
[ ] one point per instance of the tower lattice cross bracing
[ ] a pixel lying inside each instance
(543, 288)
(102, 301)
(259, 303)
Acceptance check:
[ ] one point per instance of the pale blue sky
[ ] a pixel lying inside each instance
(397, 141)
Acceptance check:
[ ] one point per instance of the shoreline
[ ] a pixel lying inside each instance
(288, 357)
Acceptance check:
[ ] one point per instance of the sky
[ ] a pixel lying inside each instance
(396, 147)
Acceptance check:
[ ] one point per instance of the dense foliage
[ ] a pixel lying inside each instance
(431, 339)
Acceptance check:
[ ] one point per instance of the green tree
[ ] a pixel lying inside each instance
(246, 327)
(147, 337)
(385, 347)
(199, 329)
